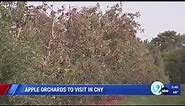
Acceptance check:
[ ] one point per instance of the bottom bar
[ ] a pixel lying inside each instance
(93, 89)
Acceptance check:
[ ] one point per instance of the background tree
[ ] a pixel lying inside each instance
(167, 40)
(172, 52)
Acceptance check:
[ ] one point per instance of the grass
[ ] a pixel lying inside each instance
(156, 99)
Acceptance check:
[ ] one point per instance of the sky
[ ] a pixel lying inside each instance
(156, 17)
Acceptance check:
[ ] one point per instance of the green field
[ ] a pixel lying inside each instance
(156, 99)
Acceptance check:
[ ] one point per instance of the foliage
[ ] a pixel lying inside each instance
(169, 43)
(167, 40)
(78, 46)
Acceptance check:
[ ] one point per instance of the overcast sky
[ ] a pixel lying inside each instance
(155, 17)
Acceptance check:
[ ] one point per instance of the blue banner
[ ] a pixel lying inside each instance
(92, 89)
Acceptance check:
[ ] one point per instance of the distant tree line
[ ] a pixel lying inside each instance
(171, 46)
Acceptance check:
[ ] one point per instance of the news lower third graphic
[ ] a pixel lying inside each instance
(156, 88)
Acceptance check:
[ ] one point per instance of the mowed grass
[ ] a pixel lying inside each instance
(156, 99)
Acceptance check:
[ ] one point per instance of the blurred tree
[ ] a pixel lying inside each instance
(172, 51)
(167, 40)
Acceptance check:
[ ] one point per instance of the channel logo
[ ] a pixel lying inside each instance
(156, 88)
